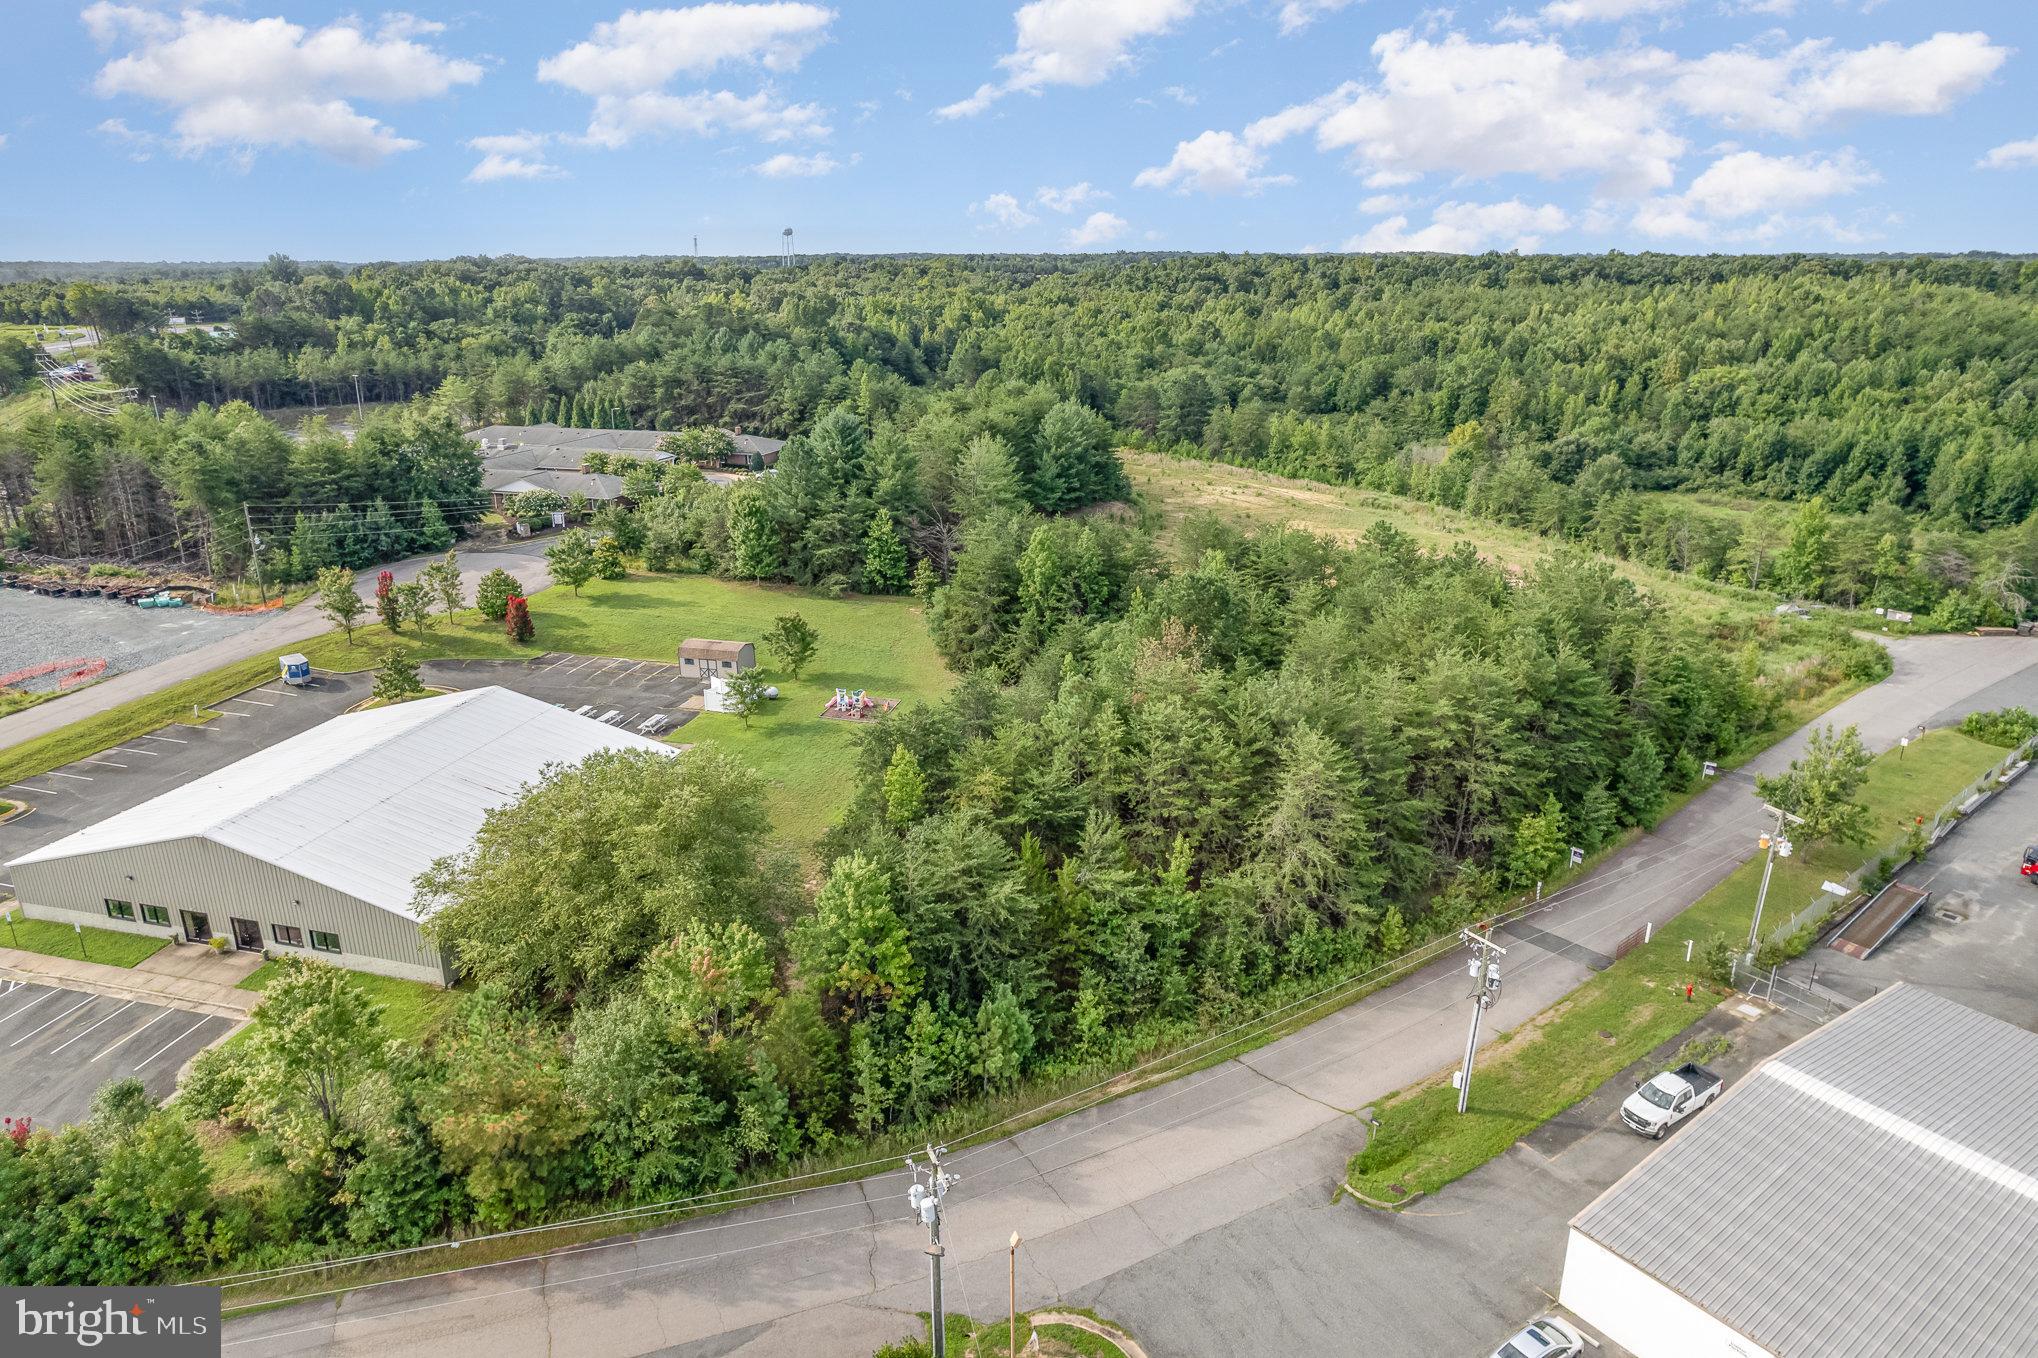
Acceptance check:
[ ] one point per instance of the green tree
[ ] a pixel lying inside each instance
(396, 677)
(504, 1114)
(564, 889)
(316, 1035)
(1820, 785)
(493, 593)
(608, 559)
(792, 641)
(571, 558)
(1641, 782)
(1540, 844)
(414, 600)
(753, 535)
(1807, 560)
(743, 690)
(884, 557)
(1004, 1039)
(854, 944)
(442, 578)
(905, 788)
(337, 599)
(712, 977)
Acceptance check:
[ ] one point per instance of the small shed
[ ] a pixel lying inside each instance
(296, 669)
(700, 657)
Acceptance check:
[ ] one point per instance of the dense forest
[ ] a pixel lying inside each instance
(1551, 392)
(1160, 799)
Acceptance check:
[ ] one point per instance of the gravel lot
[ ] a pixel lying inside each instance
(34, 629)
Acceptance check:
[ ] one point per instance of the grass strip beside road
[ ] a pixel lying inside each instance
(1562, 1055)
(131, 720)
(108, 947)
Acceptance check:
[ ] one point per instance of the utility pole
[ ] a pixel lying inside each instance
(1775, 844)
(1485, 975)
(925, 1199)
(254, 552)
(358, 417)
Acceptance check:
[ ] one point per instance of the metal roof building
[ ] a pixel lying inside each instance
(313, 843)
(1871, 1189)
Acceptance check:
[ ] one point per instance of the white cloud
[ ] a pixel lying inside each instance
(1301, 117)
(1747, 182)
(1296, 15)
(645, 48)
(1809, 84)
(1606, 11)
(1466, 228)
(703, 113)
(1181, 95)
(1003, 210)
(241, 85)
(786, 165)
(2011, 155)
(1068, 199)
(1744, 185)
(1215, 162)
(1071, 42)
(1380, 203)
(511, 155)
(1480, 109)
(1099, 228)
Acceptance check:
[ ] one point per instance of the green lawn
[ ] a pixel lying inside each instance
(409, 1008)
(109, 946)
(1569, 1050)
(877, 644)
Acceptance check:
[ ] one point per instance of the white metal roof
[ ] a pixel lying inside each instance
(1872, 1188)
(365, 802)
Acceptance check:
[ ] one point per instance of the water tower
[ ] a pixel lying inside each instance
(785, 254)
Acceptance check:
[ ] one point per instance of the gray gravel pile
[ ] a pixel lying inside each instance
(35, 629)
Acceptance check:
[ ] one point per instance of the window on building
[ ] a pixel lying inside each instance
(120, 909)
(324, 941)
(155, 914)
(288, 934)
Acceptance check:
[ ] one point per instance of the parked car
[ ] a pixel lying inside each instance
(1667, 1099)
(1547, 1338)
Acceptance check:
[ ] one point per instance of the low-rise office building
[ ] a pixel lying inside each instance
(313, 844)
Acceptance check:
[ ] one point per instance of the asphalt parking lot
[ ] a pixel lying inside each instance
(1973, 942)
(1453, 1274)
(57, 1047)
(635, 691)
(81, 794)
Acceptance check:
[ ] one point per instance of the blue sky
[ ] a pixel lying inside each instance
(227, 130)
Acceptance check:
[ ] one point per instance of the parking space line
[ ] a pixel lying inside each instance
(30, 1005)
(136, 1033)
(57, 773)
(173, 1042)
(151, 735)
(153, 754)
(224, 713)
(107, 762)
(29, 787)
(102, 1022)
(58, 1019)
(277, 691)
(251, 701)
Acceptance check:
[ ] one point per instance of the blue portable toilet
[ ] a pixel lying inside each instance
(296, 669)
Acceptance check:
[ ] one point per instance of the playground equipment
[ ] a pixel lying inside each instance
(857, 705)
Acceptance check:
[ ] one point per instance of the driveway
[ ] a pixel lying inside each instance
(280, 633)
(1104, 1193)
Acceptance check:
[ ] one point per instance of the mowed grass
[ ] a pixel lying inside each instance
(109, 947)
(410, 1009)
(1178, 487)
(879, 645)
(1565, 1053)
(808, 761)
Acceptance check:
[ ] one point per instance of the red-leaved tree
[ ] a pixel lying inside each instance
(517, 620)
(385, 600)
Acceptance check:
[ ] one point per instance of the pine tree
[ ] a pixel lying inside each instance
(753, 535)
(905, 788)
(1641, 782)
(884, 557)
(432, 533)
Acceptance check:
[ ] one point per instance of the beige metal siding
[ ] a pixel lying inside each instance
(197, 874)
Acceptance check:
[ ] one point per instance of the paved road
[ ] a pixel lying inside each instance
(524, 560)
(1127, 1186)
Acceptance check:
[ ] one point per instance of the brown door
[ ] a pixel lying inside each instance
(247, 935)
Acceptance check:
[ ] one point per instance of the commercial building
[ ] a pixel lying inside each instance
(1872, 1188)
(313, 844)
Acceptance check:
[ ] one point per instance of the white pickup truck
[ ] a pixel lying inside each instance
(1667, 1099)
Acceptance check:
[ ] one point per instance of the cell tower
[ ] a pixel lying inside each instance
(786, 258)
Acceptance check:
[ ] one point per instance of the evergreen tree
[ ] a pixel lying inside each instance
(1641, 782)
(493, 593)
(432, 533)
(753, 536)
(884, 557)
(904, 787)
